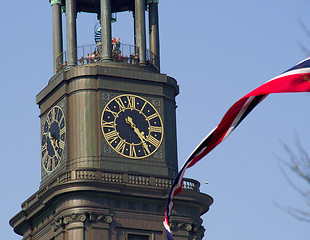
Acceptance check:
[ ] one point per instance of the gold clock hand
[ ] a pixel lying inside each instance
(139, 134)
(53, 141)
(144, 145)
(129, 121)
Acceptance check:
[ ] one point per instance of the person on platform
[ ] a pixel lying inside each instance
(117, 43)
(113, 44)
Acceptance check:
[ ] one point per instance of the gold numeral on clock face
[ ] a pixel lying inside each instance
(121, 146)
(62, 131)
(155, 129)
(109, 110)
(141, 110)
(155, 142)
(48, 120)
(43, 148)
(61, 144)
(53, 115)
(45, 155)
(120, 103)
(53, 162)
(111, 136)
(108, 124)
(131, 102)
(152, 116)
(132, 151)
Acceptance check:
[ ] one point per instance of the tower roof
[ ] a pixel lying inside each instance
(93, 6)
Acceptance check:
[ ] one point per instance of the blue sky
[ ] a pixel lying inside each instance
(217, 51)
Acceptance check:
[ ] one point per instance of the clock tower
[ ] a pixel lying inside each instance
(108, 136)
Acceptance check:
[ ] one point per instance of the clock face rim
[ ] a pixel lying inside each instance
(49, 139)
(160, 129)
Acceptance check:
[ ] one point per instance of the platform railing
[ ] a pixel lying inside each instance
(111, 177)
(121, 53)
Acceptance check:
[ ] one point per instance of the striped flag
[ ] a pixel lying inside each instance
(296, 79)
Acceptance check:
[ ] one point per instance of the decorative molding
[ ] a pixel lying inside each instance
(99, 217)
(63, 221)
(156, 103)
(199, 233)
(196, 231)
(152, 1)
(53, 2)
(180, 225)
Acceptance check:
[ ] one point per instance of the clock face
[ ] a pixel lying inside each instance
(53, 139)
(132, 126)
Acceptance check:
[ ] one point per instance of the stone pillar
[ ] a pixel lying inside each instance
(154, 33)
(140, 29)
(57, 35)
(106, 36)
(134, 29)
(71, 33)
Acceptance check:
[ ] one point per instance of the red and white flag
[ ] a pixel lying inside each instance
(296, 79)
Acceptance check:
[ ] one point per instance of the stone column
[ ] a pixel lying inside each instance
(71, 33)
(140, 29)
(106, 36)
(154, 32)
(57, 35)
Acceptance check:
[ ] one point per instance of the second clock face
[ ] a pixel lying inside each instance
(132, 126)
(53, 139)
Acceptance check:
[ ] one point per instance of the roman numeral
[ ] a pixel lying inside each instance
(155, 129)
(56, 154)
(48, 120)
(48, 164)
(56, 110)
(45, 161)
(53, 160)
(53, 115)
(152, 116)
(141, 110)
(43, 148)
(120, 146)
(132, 151)
(44, 154)
(131, 101)
(59, 115)
(155, 142)
(50, 115)
(108, 124)
(120, 103)
(111, 136)
(62, 130)
(61, 144)
(109, 110)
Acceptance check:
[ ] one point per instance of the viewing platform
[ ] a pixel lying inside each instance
(121, 53)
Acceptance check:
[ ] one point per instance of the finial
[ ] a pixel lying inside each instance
(53, 2)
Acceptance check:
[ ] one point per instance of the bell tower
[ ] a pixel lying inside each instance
(108, 136)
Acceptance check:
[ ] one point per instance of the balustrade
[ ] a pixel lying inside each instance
(121, 53)
(110, 177)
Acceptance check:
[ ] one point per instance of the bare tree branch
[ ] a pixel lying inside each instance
(299, 164)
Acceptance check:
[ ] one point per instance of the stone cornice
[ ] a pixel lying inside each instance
(95, 70)
(154, 188)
